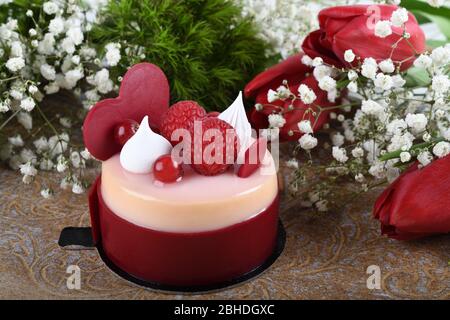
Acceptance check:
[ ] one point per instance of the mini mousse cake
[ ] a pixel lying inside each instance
(185, 198)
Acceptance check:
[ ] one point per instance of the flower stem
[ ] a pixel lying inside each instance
(423, 145)
(9, 119)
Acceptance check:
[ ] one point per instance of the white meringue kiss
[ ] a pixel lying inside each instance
(236, 116)
(144, 147)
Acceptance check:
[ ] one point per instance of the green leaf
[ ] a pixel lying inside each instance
(423, 7)
(436, 43)
(417, 77)
(442, 22)
(204, 58)
(421, 18)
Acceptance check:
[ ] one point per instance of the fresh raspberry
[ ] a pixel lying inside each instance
(205, 143)
(181, 115)
(213, 114)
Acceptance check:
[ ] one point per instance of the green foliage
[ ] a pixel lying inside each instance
(426, 13)
(207, 50)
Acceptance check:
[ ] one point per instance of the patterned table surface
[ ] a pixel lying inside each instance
(326, 256)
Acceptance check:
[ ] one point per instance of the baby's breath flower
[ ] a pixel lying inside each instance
(46, 193)
(327, 83)
(306, 60)
(50, 7)
(369, 68)
(317, 61)
(417, 122)
(399, 17)
(383, 81)
(352, 75)
(292, 163)
(405, 156)
(305, 126)
(339, 154)
(16, 141)
(307, 142)
(349, 56)
(15, 64)
(112, 54)
(436, 3)
(3, 107)
(276, 120)
(440, 84)
(425, 158)
(77, 188)
(27, 104)
(28, 169)
(383, 28)
(358, 152)
(441, 149)
(387, 66)
(306, 94)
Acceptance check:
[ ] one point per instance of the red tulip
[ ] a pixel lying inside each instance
(292, 69)
(352, 27)
(290, 131)
(417, 204)
(295, 72)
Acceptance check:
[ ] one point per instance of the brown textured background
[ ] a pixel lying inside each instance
(326, 256)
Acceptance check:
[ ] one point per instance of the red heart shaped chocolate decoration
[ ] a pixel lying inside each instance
(144, 92)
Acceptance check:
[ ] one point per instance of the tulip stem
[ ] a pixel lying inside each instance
(412, 150)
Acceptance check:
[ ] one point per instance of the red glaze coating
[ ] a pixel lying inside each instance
(144, 91)
(183, 259)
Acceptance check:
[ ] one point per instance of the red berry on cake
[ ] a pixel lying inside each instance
(180, 116)
(213, 114)
(253, 158)
(125, 130)
(214, 146)
(167, 170)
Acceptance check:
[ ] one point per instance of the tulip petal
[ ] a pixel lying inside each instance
(315, 45)
(352, 27)
(417, 204)
(292, 69)
(364, 43)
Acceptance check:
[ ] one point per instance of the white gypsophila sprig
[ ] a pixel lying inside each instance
(53, 54)
(395, 122)
(285, 23)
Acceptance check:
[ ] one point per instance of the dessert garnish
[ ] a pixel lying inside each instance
(213, 114)
(144, 147)
(181, 115)
(236, 116)
(167, 170)
(144, 90)
(125, 130)
(253, 158)
(213, 151)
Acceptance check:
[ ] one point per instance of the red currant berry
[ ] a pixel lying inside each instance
(125, 130)
(166, 170)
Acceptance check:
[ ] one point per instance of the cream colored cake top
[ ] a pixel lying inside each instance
(197, 203)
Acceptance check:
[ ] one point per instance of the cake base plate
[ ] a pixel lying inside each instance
(81, 238)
